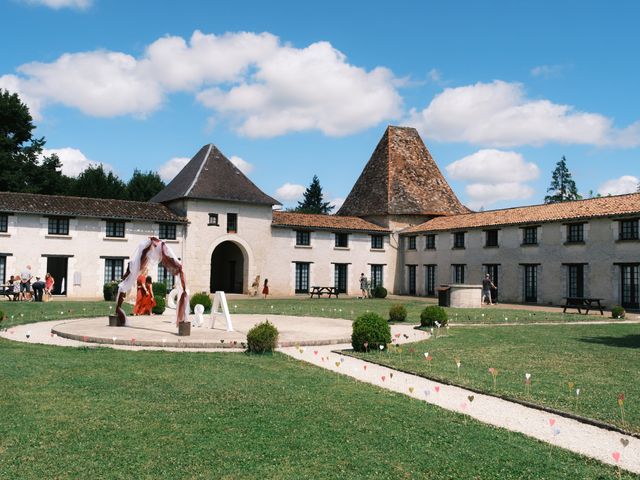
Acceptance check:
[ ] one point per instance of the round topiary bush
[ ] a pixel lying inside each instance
(262, 338)
(397, 313)
(203, 299)
(110, 291)
(617, 312)
(432, 314)
(160, 306)
(159, 289)
(372, 329)
(379, 292)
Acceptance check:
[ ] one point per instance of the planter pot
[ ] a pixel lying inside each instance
(114, 321)
(184, 329)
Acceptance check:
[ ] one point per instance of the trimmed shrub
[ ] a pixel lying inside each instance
(379, 292)
(617, 312)
(372, 329)
(397, 313)
(159, 289)
(203, 299)
(262, 338)
(160, 306)
(110, 291)
(432, 314)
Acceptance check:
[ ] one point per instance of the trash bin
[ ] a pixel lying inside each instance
(444, 296)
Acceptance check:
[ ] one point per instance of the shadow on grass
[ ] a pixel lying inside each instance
(627, 341)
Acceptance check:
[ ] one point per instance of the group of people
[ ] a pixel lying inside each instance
(29, 288)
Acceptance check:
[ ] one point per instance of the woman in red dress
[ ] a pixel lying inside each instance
(265, 288)
(149, 300)
(141, 294)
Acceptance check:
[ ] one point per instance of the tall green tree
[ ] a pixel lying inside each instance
(313, 201)
(50, 179)
(562, 187)
(143, 186)
(95, 182)
(19, 149)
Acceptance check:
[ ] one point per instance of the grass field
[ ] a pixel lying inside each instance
(102, 413)
(600, 360)
(351, 308)
(17, 313)
(27, 312)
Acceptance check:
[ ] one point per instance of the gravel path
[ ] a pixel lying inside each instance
(604, 445)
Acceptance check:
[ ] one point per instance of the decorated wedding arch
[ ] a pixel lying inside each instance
(151, 252)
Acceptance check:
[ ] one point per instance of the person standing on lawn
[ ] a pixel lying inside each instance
(25, 283)
(487, 286)
(265, 288)
(363, 285)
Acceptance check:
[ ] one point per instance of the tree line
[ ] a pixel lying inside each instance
(23, 168)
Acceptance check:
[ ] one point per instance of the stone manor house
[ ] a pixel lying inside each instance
(401, 225)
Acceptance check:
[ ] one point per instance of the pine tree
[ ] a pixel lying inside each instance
(312, 201)
(562, 187)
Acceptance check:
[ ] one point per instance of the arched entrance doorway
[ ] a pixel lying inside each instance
(227, 268)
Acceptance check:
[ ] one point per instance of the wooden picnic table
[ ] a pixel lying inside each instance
(7, 291)
(319, 291)
(586, 303)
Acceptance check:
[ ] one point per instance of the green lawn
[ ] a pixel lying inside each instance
(17, 313)
(601, 360)
(102, 413)
(351, 308)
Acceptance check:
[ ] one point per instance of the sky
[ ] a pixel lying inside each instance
(499, 90)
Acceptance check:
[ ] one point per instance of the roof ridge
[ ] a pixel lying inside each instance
(197, 175)
(73, 197)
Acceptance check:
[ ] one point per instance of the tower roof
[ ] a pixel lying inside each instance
(210, 175)
(401, 178)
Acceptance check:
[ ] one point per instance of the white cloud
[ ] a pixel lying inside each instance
(58, 4)
(491, 165)
(73, 160)
(484, 194)
(290, 192)
(242, 165)
(307, 89)
(619, 186)
(548, 71)
(265, 88)
(337, 203)
(169, 169)
(493, 176)
(500, 114)
(14, 84)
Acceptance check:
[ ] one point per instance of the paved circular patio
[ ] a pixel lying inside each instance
(161, 331)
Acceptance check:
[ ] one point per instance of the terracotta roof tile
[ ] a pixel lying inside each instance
(86, 207)
(210, 175)
(324, 222)
(401, 178)
(618, 205)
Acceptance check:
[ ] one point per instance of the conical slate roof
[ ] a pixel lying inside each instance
(210, 175)
(401, 178)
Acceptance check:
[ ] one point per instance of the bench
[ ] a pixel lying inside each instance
(319, 291)
(7, 291)
(586, 303)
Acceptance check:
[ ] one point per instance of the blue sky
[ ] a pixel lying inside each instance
(498, 90)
